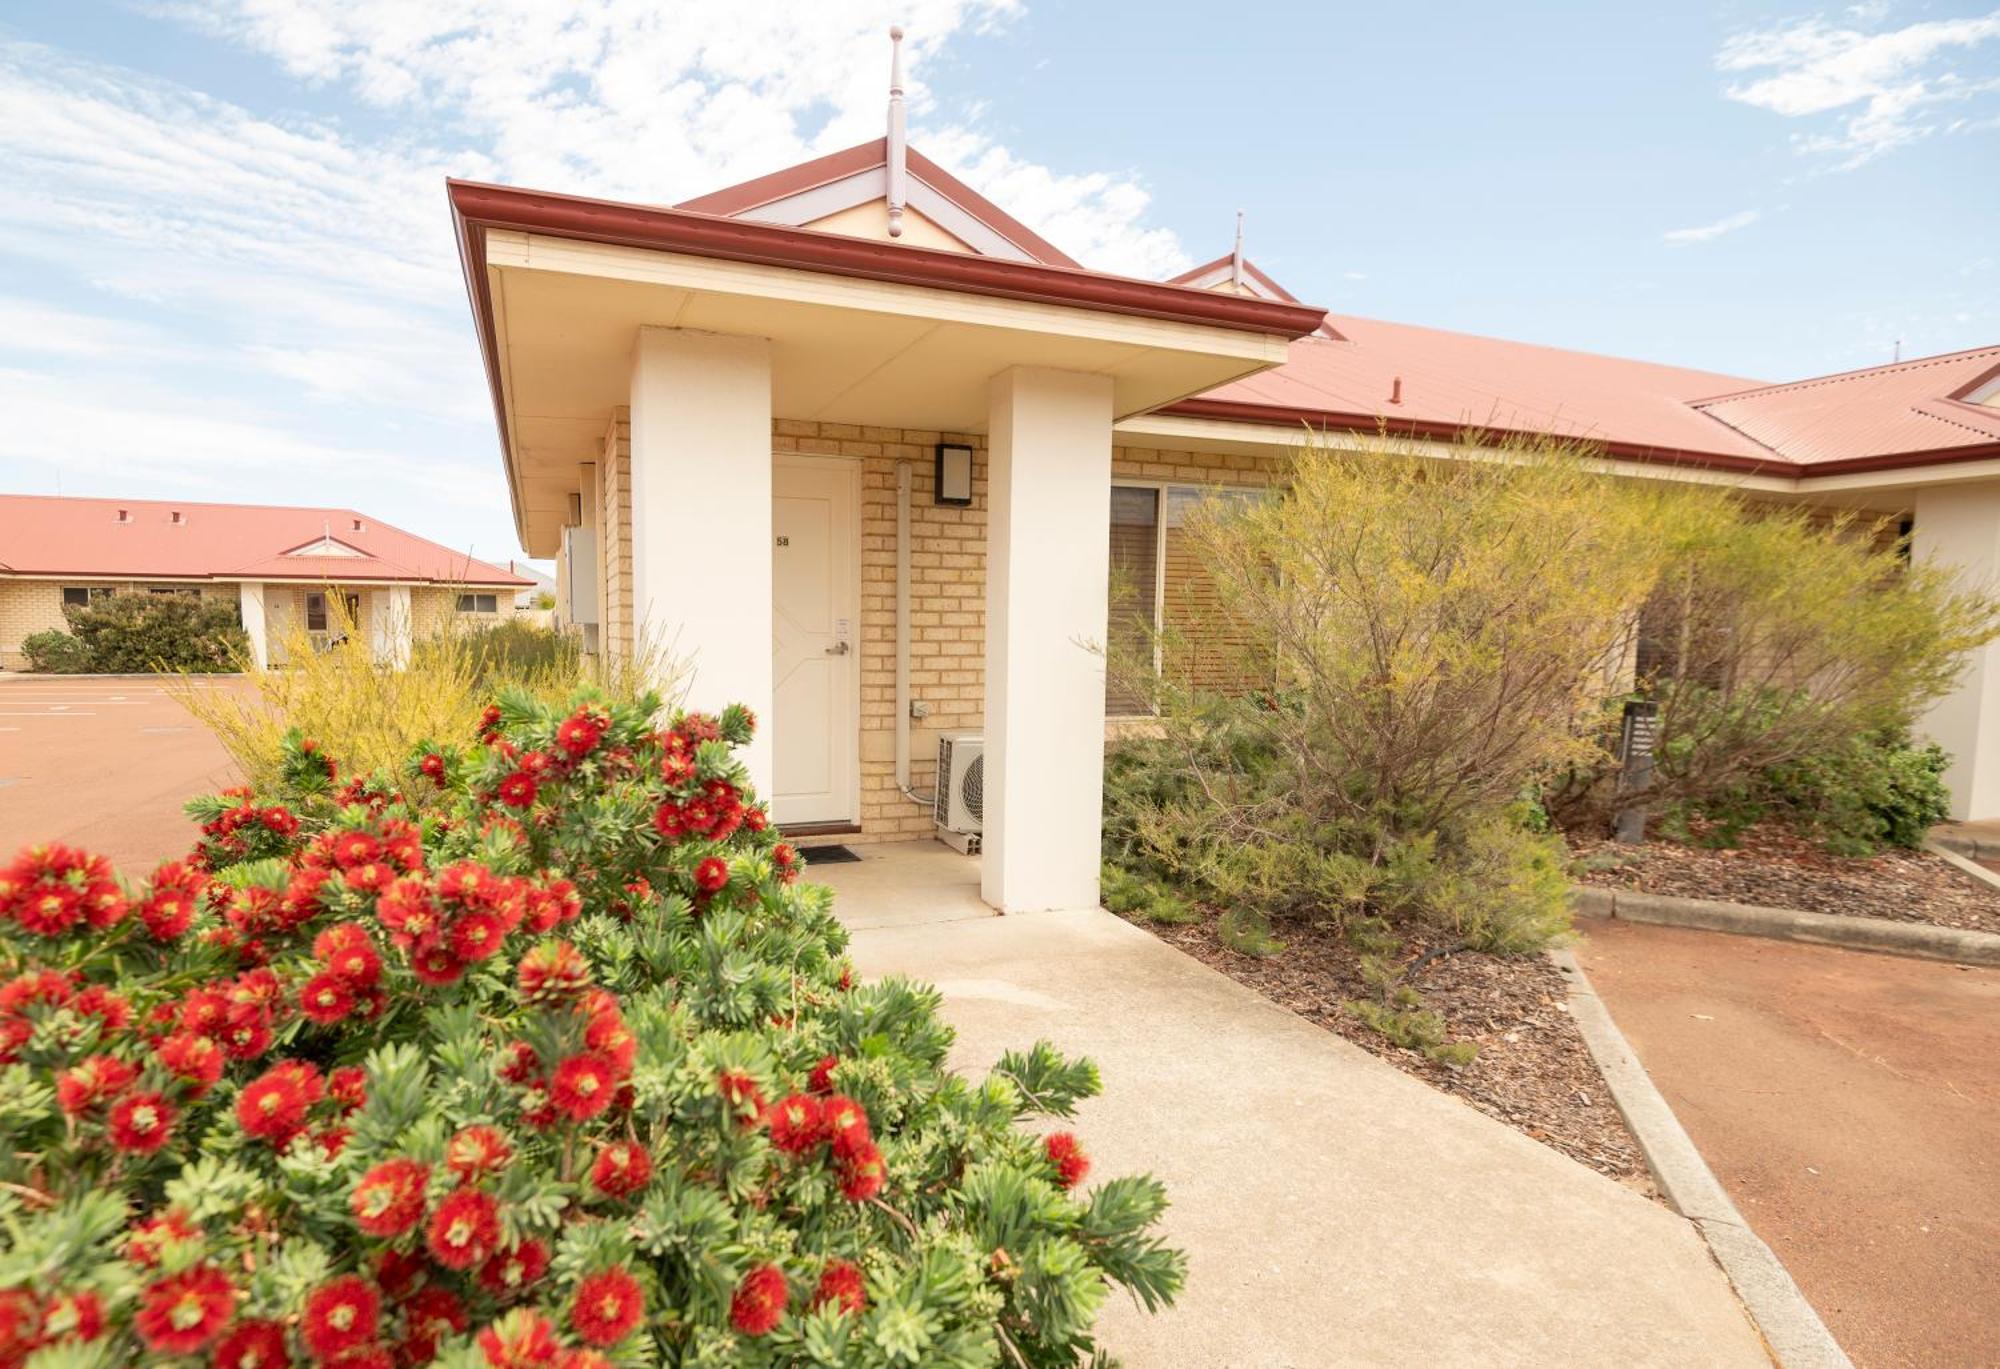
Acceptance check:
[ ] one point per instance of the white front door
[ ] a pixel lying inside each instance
(815, 594)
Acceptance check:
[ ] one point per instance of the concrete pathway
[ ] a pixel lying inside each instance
(1336, 1212)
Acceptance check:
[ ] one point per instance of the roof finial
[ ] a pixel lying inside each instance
(897, 160)
(1236, 262)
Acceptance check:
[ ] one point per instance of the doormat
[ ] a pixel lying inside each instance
(827, 855)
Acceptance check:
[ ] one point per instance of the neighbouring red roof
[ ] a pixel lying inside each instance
(740, 200)
(1872, 419)
(56, 535)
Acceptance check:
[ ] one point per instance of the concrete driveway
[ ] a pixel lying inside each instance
(104, 763)
(1336, 1212)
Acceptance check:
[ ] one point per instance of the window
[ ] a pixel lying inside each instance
(185, 591)
(315, 612)
(478, 603)
(1157, 582)
(1133, 612)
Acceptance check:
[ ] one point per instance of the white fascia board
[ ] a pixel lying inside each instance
(865, 187)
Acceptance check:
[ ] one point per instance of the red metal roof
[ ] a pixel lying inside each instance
(55, 535)
(1875, 418)
(735, 200)
(1425, 381)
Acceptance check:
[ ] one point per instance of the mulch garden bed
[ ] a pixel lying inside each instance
(1775, 868)
(1533, 1071)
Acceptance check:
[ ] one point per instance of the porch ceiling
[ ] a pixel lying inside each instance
(566, 315)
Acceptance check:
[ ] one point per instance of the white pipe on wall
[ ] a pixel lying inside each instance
(903, 629)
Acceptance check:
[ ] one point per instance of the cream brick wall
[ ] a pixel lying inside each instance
(31, 606)
(615, 635)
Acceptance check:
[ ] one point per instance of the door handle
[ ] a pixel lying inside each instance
(839, 649)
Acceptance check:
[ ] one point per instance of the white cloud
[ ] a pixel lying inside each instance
(645, 100)
(1708, 232)
(1867, 91)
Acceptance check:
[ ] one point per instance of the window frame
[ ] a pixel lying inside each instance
(320, 596)
(468, 602)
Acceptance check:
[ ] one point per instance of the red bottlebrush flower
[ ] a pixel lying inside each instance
(577, 737)
(432, 768)
(348, 1086)
(398, 1272)
(518, 790)
(553, 972)
(326, 999)
(520, 1340)
(846, 1124)
(408, 910)
(582, 1359)
(340, 1315)
(194, 1060)
(272, 1107)
(475, 936)
(350, 849)
(489, 717)
(677, 767)
(608, 1035)
(183, 1312)
(96, 1080)
(150, 1238)
(521, 1063)
(464, 1229)
(429, 1316)
(246, 1031)
(141, 1123)
(536, 764)
(437, 965)
(621, 1169)
(711, 875)
(354, 960)
(113, 1013)
(861, 1172)
(755, 819)
(280, 820)
(360, 1357)
(739, 1092)
(513, 1272)
(370, 878)
(20, 1324)
(796, 1124)
(668, 820)
(820, 1080)
(478, 1151)
(760, 1301)
(584, 1085)
(1067, 1156)
(841, 1284)
(253, 1345)
(71, 1316)
(608, 1304)
(389, 1199)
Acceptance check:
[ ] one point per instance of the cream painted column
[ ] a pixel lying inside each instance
(255, 626)
(1048, 519)
(701, 518)
(1959, 526)
(389, 624)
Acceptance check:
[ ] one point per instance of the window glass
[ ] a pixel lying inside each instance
(478, 603)
(315, 612)
(1135, 584)
(75, 596)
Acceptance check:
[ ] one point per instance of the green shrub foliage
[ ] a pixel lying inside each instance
(559, 1067)
(121, 634)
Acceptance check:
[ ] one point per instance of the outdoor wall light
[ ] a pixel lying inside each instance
(951, 481)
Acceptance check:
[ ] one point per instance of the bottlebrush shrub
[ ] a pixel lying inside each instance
(533, 1054)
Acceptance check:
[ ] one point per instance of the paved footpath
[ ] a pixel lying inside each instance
(103, 763)
(1850, 1104)
(1337, 1212)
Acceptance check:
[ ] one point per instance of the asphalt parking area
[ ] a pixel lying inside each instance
(104, 763)
(1849, 1103)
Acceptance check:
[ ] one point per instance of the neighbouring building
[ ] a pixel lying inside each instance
(946, 434)
(332, 572)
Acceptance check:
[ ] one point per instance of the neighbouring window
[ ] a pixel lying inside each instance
(81, 596)
(478, 603)
(315, 612)
(185, 591)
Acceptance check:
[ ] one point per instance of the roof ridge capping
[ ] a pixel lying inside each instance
(1838, 377)
(479, 206)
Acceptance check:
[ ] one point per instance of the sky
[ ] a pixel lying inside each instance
(227, 272)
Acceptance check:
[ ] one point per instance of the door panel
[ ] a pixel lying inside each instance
(815, 700)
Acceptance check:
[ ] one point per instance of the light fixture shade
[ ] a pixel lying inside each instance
(951, 481)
